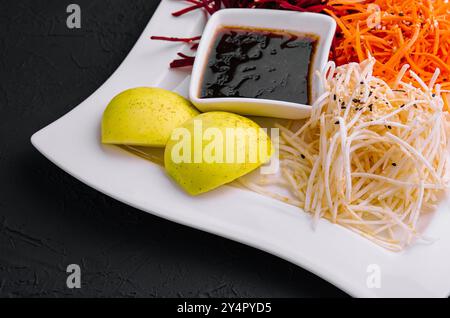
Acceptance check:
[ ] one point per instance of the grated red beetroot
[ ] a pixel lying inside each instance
(212, 6)
(172, 39)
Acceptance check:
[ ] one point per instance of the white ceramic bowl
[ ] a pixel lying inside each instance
(299, 22)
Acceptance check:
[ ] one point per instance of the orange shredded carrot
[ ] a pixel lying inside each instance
(415, 32)
(358, 44)
(446, 101)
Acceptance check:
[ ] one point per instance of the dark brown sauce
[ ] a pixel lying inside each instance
(265, 64)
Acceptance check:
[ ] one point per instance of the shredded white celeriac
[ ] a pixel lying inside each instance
(371, 157)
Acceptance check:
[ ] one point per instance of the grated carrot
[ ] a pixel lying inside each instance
(409, 32)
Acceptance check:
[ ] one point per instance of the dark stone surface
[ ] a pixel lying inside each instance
(49, 220)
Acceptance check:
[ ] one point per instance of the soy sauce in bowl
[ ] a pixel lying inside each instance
(260, 63)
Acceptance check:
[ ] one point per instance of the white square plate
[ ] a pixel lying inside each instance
(332, 252)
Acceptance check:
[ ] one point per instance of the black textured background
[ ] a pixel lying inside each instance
(49, 220)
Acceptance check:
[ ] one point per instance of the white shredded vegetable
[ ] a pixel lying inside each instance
(371, 158)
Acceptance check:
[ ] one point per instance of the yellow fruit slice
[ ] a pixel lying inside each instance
(144, 116)
(213, 149)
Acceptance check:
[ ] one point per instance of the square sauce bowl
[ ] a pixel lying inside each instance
(316, 26)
